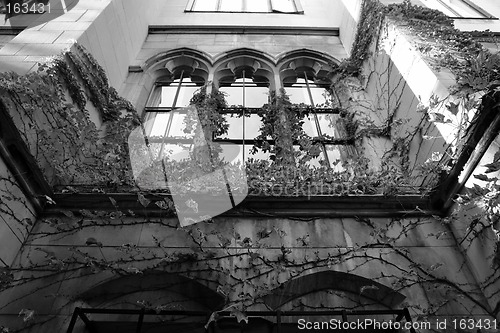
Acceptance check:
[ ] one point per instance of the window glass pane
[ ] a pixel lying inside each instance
(231, 155)
(176, 152)
(328, 123)
(462, 8)
(257, 6)
(453, 8)
(320, 96)
(171, 151)
(255, 97)
(185, 95)
(284, 6)
(167, 96)
(233, 95)
(231, 5)
(205, 5)
(333, 153)
(253, 122)
(156, 124)
(298, 93)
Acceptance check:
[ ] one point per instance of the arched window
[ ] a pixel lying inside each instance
(246, 78)
(165, 109)
(245, 96)
(245, 83)
(304, 86)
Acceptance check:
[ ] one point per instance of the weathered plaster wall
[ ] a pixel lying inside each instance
(239, 256)
(479, 240)
(113, 30)
(406, 90)
(350, 12)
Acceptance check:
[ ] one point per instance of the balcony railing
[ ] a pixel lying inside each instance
(261, 321)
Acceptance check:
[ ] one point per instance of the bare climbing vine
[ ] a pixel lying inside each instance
(50, 110)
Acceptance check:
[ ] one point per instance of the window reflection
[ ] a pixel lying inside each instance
(333, 154)
(245, 92)
(178, 93)
(454, 8)
(256, 6)
(299, 93)
(327, 123)
(157, 125)
(244, 154)
(284, 6)
(231, 5)
(205, 5)
(170, 151)
(253, 123)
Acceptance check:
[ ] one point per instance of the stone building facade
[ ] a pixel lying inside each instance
(358, 218)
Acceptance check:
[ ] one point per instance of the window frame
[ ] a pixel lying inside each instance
(483, 14)
(190, 7)
(151, 113)
(325, 142)
(337, 137)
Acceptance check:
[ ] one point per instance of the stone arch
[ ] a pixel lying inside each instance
(316, 65)
(158, 285)
(168, 65)
(333, 280)
(257, 64)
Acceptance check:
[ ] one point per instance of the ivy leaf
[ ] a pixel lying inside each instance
(438, 117)
(142, 200)
(169, 203)
(303, 241)
(27, 222)
(264, 233)
(453, 108)
(49, 200)
(68, 213)
(134, 270)
(477, 191)
(213, 318)
(365, 288)
(193, 205)
(240, 316)
(87, 213)
(221, 290)
(246, 242)
(254, 255)
(496, 157)
(482, 177)
(113, 201)
(436, 266)
(93, 241)
(115, 215)
(48, 253)
(28, 315)
(492, 167)
(162, 204)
